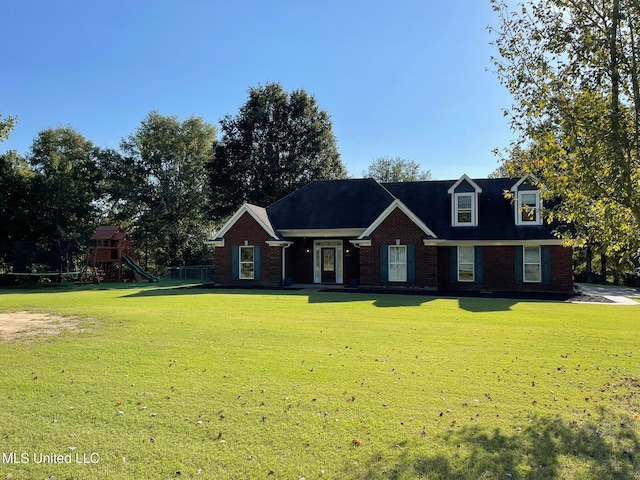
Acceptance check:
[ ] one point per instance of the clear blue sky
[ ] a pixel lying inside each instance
(399, 78)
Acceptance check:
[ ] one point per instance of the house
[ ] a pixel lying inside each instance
(456, 235)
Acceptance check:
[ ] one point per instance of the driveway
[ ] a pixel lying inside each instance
(618, 295)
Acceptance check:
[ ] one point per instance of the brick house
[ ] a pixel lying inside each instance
(455, 235)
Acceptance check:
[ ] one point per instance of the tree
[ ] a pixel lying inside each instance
(64, 187)
(572, 68)
(6, 126)
(14, 203)
(158, 184)
(387, 169)
(276, 143)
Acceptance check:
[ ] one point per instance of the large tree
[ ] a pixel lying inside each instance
(14, 204)
(64, 187)
(157, 186)
(572, 67)
(276, 143)
(387, 169)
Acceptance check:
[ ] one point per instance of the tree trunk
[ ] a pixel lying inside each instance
(589, 268)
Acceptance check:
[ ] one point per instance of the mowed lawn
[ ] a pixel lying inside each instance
(165, 382)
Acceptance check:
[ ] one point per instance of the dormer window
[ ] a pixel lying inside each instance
(529, 208)
(528, 203)
(464, 209)
(464, 202)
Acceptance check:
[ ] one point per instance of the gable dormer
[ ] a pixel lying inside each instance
(464, 202)
(527, 201)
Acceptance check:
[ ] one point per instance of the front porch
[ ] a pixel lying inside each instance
(322, 261)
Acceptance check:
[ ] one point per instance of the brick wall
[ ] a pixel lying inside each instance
(499, 271)
(397, 226)
(247, 229)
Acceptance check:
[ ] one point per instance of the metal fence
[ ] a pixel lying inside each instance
(203, 273)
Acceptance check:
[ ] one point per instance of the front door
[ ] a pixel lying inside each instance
(328, 271)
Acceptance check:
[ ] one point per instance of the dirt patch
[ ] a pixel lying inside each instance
(17, 325)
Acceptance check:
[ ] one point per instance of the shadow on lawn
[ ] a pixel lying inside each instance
(379, 299)
(411, 300)
(550, 447)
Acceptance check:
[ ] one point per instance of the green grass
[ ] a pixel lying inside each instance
(260, 384)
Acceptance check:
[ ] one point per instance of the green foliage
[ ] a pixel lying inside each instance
(15, 223)
(276, 143)
(573, 71)
(355, 385)
(158, 183)
(64, 187)
(6, 125)
(387, 169)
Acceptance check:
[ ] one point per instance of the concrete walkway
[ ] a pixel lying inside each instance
(618, 295)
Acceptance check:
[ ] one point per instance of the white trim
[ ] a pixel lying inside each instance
(524, 264)
(278, 243)
(519, 208)
(406, 262)
(245, 208)
(474, 210)
(464, 178)
(362, 242)
(216, 242)
(404, 209)
(284, 265)
(526, 177)
(325, 233)
(252, 262)
(473, 263)
(318, 245)
(433, 242)
(492, 243)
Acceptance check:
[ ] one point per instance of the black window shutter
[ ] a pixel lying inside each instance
(519, 265)
(478, 259)
(545, 261)
(235, 263)
(411, 263)
(453, 264)
(384, 263)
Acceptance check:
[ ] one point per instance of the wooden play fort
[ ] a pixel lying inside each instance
(111, 257)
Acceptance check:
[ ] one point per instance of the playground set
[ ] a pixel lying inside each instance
(110, 257)
(111, 249)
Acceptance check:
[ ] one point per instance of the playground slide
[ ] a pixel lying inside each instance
(136, 268)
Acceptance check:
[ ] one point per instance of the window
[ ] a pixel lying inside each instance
(247, 265)
(464, 210)
(528, 208)
(397, 263)
(464, 206)
(465, 264)
(532, 265)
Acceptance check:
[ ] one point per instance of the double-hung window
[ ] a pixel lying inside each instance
(246, 264)
(465, 264)
(464, 214)
(528, 212)
(397, 263)
(532, 266)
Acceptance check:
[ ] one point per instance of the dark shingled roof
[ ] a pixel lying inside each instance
(356, 203)
(331, 204)
(496, 218)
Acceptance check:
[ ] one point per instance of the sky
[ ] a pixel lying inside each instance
(401, 78)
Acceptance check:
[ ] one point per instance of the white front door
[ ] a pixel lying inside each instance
(327, 261)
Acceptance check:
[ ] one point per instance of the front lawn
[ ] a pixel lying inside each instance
(163, 382)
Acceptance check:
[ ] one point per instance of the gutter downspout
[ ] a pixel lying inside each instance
(284, 247)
